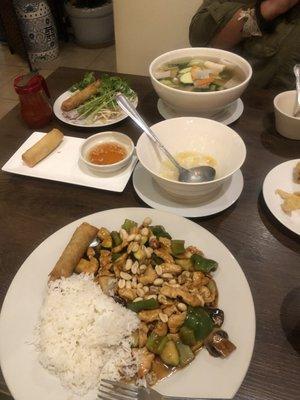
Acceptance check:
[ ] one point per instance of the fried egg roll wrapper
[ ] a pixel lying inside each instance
(74, 251)
(42, 148)
(80, 97)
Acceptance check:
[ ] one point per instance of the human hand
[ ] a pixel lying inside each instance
(271, 9)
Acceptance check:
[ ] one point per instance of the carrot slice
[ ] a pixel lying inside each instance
(204, 82)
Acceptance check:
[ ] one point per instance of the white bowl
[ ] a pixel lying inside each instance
(199, 103)
(286, 124)
(202, 135)
(108, 136)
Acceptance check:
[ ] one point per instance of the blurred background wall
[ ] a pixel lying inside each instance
(145, 29)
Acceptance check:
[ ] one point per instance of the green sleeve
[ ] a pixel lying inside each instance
(210, 18)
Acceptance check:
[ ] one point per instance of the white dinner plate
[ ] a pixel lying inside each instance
(59, 114)
(227, 116)
(281, 177)
(150, 192)
(206, 376)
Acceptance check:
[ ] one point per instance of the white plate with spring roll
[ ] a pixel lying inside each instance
(22, 306)
(63, 164)
(91, 102)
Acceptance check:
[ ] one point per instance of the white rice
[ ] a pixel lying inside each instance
(83, 335)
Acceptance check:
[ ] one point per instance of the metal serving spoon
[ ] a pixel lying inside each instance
(203, 173)
(297, 75)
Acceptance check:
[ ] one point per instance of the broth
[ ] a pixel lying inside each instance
(187, 159)
(200, 74)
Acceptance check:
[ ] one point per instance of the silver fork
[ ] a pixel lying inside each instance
(112, 390)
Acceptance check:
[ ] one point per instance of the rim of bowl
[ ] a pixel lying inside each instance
(275, 102)
(189, 183)
(201, 93)
(99, 134)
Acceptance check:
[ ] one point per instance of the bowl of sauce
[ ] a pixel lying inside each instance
(107, 152)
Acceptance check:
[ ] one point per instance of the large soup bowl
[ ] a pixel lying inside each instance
(199, 103)
(200, 135)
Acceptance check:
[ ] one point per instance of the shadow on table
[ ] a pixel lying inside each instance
(286, 237)
(289, 317)
(276, 143)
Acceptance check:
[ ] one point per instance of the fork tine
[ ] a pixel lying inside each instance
(117, 396)
(121, 385)
(121, 391)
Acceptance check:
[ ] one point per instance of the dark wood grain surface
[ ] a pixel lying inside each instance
(269, 254)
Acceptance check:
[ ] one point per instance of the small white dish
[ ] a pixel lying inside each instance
(286, 123)
(107, 137)
(227, 116)
(59, 114)
(281, 177)
(150, 192)
(64, 165)
(27, 379)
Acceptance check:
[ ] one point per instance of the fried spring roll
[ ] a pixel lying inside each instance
(74, 251)
(42, 148)
(80, 97)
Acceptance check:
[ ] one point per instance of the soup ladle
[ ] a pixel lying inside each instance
(202, 173)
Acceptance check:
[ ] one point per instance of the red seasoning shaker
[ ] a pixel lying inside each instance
(34, 98)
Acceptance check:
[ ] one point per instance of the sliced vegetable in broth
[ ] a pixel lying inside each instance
(200, 74)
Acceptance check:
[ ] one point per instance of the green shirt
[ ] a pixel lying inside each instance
(271, 55)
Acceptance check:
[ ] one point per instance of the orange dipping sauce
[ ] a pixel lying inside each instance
(107, 153)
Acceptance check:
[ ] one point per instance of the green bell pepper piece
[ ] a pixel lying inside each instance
(156, 343)
(128, 225)
(187, 336)
(199, 321)
(159, 231)
(177, 247)
(116, 238)
(203, 264)
(148, 304)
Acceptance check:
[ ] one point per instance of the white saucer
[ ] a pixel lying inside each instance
(148, 190)
(226, 116)
(280, 177)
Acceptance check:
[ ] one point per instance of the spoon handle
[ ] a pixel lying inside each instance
(297, 75)
(129, 109)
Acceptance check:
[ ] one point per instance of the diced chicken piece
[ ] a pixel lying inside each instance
(149, 276)
(127, 294)
(149, 315)
(145, 362)
(176, 321)
(198, 278)
(107, 284)
(169, 310)
(171, 268)
(193, 299)
(87, 266)
(161, 328)
(166, 243)
(162, 253)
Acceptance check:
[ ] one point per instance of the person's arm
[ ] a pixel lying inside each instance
(217, 23)
(211, 18)
(231, 35)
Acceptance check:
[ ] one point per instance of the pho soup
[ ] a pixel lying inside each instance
(200, 74)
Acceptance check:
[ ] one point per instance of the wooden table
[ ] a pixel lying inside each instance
(32, 209)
